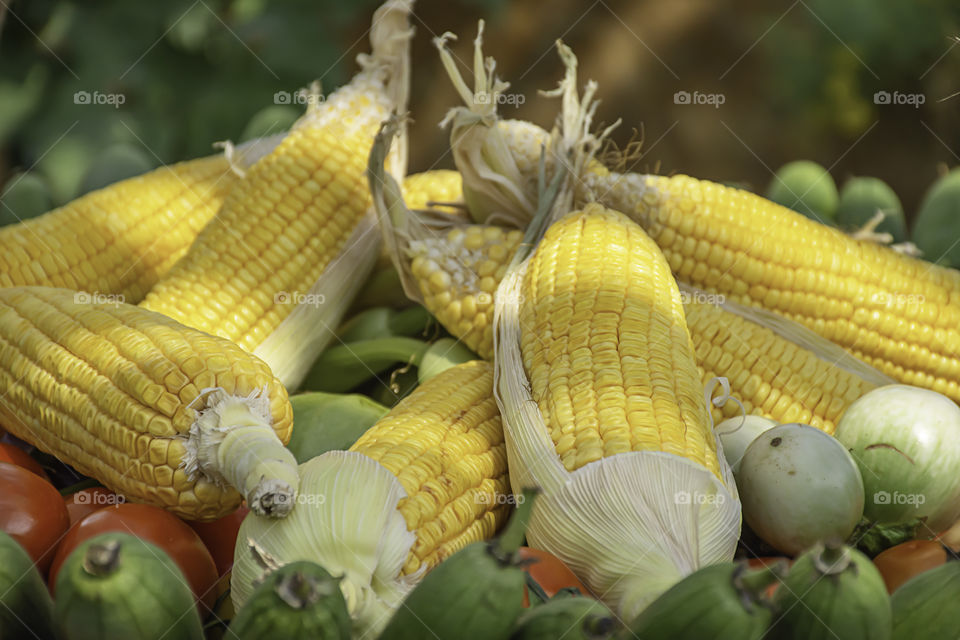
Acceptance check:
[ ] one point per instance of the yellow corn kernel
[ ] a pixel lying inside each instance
(124, 395)
(605, 345)
(444, 443)
(119, 240)
(756, 361)
(896, 313)
(448, 268)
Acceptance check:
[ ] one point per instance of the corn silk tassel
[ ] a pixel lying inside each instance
(631, 509)
(279, 265)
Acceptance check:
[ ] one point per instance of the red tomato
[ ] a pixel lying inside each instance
(154, 525)
(220, 536)
(769, 561)
(32, 512)
(13, 454)
(548, 571)
(86, 501)
(900, 563)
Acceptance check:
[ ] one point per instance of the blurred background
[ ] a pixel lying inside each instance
(98, 90)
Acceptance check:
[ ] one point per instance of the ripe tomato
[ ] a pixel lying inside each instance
(155, 525)
(549, 572)
(220, 536)
(900, 563)
(32, 512)
(86, 501)
(12, 454)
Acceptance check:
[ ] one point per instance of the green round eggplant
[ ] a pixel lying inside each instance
(298, 600)
(937, 225)
(476, 593)
(26, 610)
(862, 198)
(567, 618)
(833, 592)
(926, 605)
(117, 586)
(717, 602)
(807, 188)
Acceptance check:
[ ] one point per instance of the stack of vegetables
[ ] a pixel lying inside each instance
(292, 390)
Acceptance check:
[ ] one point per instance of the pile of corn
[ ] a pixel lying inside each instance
(150, 334)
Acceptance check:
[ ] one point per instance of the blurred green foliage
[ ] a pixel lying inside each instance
(831, 58)
(190, 72)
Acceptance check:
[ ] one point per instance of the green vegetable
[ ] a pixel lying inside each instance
(799, 486)
(26, 610)
(736, 434)
(832, 592)
(383, 287)
(807, 188)
(906, 441)
(861, 198)
(118, 586)
(443, 354)
(566, 618)
(25, 196)
(476, 593)
(117, 162)
(937, 226)
(329, 421)
(717, 602)
(383, 322)
(298, 600)
(926, 605)
(344, 366)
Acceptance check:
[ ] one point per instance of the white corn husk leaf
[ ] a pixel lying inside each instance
(630, 525)
(301, 337)
(345, 520)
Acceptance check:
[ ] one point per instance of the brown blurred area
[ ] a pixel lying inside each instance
(794, 85)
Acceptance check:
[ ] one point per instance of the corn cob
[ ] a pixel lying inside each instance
(158, 412)
(896, 313)
(604, 409)
(432, 188)
(772, 376)
(427, 479)
(893, 312)
(777, 369)
(277, 268)
(119, 240)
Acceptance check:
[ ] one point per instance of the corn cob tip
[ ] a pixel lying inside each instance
(233, 443)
